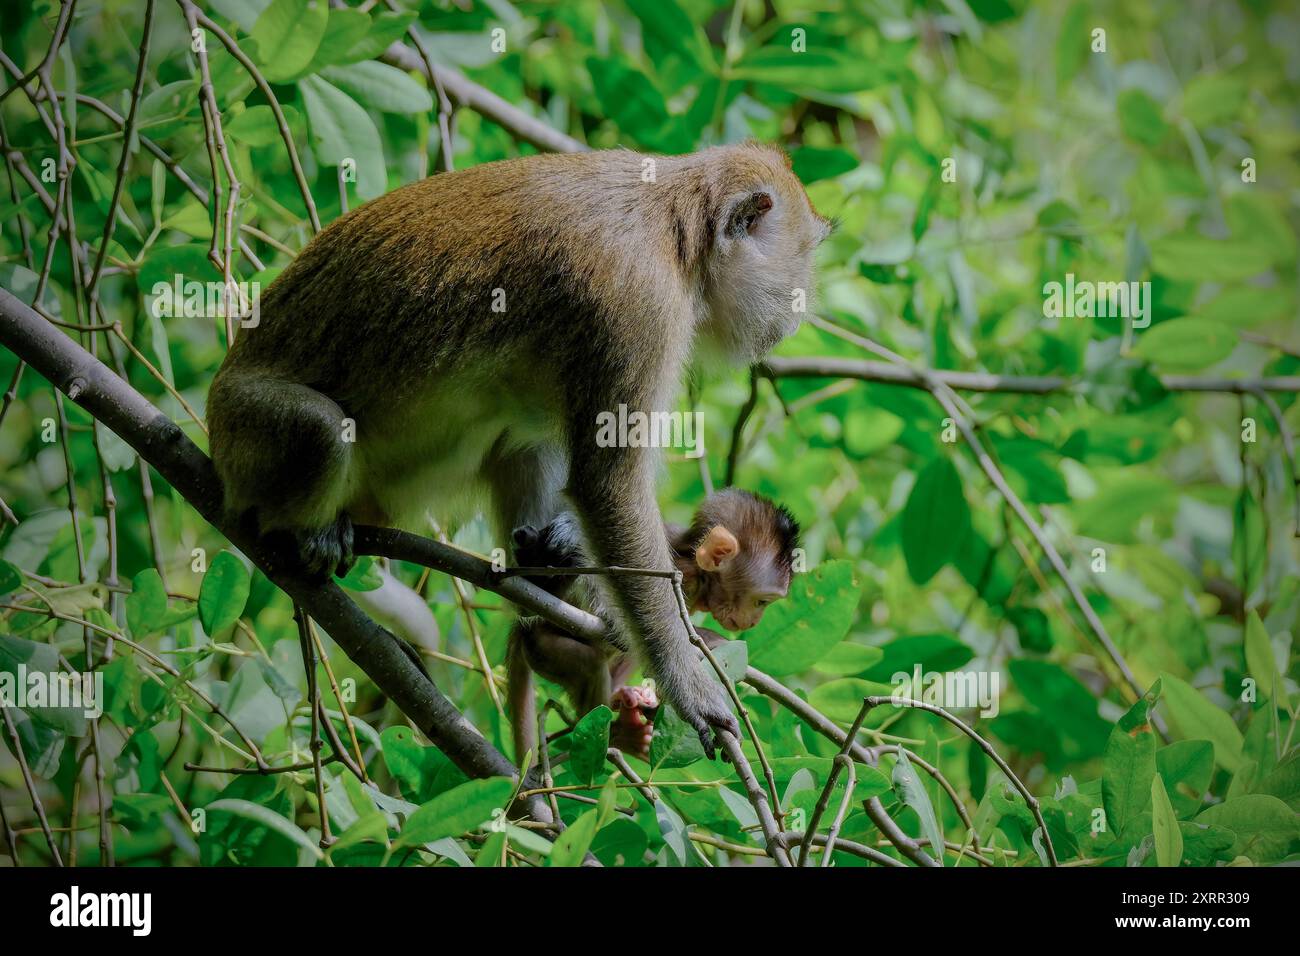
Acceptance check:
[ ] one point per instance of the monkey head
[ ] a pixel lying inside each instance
(759, 279)
(741, 547)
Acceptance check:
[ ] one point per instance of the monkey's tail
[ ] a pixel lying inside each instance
(523, 701)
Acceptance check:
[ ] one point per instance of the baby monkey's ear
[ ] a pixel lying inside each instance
(717, 549)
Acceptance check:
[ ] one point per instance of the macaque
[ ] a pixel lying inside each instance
(736, 558)
(452, 347)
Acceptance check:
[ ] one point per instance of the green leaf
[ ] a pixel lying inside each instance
(456, 811)
(421, 771)
(256, 126)
(1169, 839)
(1191, 258)
(1139, 118)
(1260, 662)
(381, 87)
(1265, 827)
(1072, 43)
(147, 608)
(1258, 221)
(385, 29)
(1205, 845)
(343, 32)
(1193, 717)
(631, 100)
(223, 594)
(41, 743)
(931, 652)
(840, 700)
(11, 579)
(812, 163)
(243, 12)
(912, 792)
(39, 658)
(589, 743)
(287, 35)
(342, 130)
(1059, 216)
(1247, 305)
(1213, 98)
(825, 70)
(362, 576)
(572, 845)
(675, 742)
(370, 827)
(1186, 767)
(490, 853)
(733, 658)
(1129, 767)
(620, 843)
(665, 25)
(1186, 343)
(1283, 781)
(1066, 702)
(935, 519)
(797, 632)
(138, 810)
(868, 430)
(268, 818)
(849, 660)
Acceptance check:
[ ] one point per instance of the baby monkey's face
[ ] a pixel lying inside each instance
(741, 578)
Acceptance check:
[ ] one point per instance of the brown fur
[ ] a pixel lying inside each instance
(736, 593)
(611, 285)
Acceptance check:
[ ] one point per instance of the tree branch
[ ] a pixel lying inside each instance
(890, 374)
(158, 440)
(469, 94)
(161, 443)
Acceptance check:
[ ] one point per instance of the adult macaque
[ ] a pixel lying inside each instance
(736, 558)
(455, 341)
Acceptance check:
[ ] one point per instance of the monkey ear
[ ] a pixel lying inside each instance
(746, 213)
(717, 549)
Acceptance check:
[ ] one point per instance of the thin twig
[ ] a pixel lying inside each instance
(1030, 799)
(16, 745)
(281, 123)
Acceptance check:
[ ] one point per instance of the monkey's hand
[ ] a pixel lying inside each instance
(633, 725)
(318, 552)
(703, 703)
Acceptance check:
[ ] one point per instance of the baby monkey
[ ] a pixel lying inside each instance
(736, 558)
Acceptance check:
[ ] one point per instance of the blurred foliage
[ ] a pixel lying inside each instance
(972, 151)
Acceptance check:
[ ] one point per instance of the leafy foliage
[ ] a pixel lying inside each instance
(973, 155)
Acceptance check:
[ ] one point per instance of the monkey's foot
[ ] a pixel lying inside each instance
(328, 550)
(633, 725)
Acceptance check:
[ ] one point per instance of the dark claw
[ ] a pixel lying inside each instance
(706, 741)
(328, 550)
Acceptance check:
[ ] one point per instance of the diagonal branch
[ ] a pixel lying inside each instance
(161, 442)
(890, 373)
(465, 92)
(949, 400)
